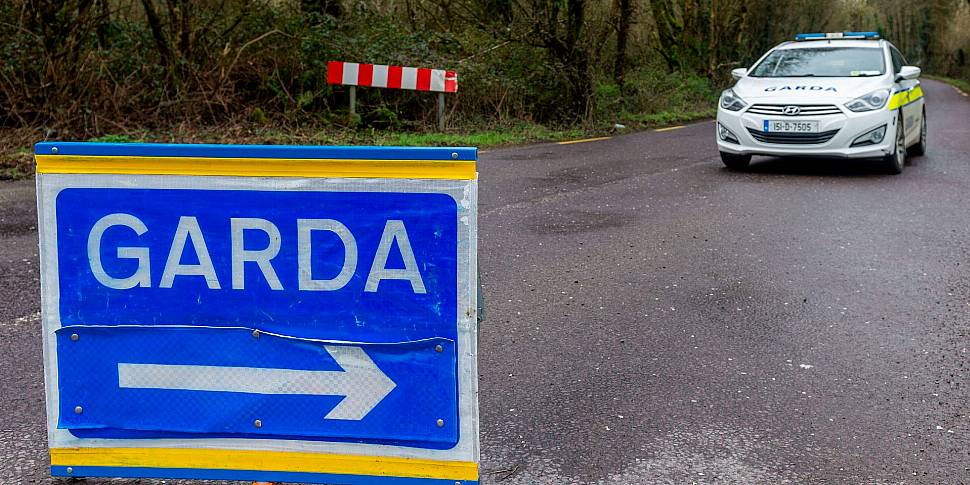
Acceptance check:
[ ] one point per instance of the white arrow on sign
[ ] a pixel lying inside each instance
(361, 382)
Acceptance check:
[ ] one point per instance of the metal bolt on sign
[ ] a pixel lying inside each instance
(440, 423)
(78, 410)
(438, 348)
(54, 150)
(70, 470)
(74, 337)
(258, 423)
(255, 333)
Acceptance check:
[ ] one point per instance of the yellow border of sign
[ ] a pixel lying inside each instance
(258, 167)
(278, 461)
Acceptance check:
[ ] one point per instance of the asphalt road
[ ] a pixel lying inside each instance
(654, 318)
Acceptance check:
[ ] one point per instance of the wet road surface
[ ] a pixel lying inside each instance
(654, 318)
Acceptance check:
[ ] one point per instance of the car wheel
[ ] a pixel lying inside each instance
(896, 160)
(919, 149)
(735, 162)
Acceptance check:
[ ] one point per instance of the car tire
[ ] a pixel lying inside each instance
(895, 161)
(735, 162)
(919, 149)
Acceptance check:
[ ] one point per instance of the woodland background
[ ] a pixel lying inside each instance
(247, 70)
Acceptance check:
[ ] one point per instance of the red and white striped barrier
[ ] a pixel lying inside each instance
(392, 77)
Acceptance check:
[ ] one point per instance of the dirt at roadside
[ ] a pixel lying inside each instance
(16, 158)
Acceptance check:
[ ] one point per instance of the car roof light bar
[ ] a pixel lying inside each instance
(838, 35)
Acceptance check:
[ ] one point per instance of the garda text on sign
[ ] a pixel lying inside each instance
(299, 314)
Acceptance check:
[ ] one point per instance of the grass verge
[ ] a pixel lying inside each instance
(960, 84)
(16, 145)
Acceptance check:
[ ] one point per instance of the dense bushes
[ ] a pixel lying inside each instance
(86, 67)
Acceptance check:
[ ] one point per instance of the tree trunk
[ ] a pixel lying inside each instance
(668, 31)
(577, 58)
(497, 11)
(625, 17)
(158, 33)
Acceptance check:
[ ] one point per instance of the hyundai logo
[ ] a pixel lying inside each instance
(791, 110)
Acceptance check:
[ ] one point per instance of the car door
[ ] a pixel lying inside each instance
(912, 110)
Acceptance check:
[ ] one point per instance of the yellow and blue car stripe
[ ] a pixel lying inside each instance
(902, 98)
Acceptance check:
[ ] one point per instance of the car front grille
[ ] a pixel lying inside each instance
(806, 109)
(793, 138)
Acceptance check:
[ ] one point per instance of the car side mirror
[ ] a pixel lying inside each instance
(908, 72)
(739, 73)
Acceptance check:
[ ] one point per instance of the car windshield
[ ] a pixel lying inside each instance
(822, 62)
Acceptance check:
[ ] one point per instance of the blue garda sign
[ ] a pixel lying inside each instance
(268, 313)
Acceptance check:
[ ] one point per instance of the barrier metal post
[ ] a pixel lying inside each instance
(353, 103)
(441, 111)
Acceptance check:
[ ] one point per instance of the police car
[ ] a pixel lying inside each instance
(843, 94)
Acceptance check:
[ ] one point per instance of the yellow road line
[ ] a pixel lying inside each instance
(584, 140)
(258, 167)
(264, 460)
(669, 128)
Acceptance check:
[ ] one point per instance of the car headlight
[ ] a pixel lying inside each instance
(874, 100)
(731, 101)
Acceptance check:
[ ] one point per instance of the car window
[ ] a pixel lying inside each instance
(822, 62)
(898, 61)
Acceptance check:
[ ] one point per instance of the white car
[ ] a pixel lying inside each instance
(844, 95)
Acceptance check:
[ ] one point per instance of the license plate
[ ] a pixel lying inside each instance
(785, 126)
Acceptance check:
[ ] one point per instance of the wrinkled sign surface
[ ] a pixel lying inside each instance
(299, 314)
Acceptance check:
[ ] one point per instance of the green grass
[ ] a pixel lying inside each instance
(650, 120)
(483, 137)
(961, 84)
(16, 163)
(530, 133)
(513, 135)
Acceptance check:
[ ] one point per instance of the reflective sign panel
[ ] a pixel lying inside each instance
(288, 313)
